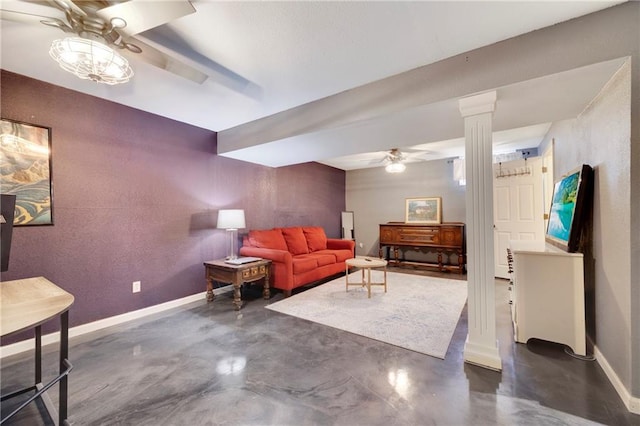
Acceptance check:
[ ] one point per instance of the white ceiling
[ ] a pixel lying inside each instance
(294, 53)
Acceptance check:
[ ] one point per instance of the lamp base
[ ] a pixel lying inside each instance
(232, 243)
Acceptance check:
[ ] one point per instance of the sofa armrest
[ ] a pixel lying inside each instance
(281, 256)
(338, 244)
(281, 266)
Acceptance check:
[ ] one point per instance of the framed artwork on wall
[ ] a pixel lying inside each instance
(25, 171)
(423, 210)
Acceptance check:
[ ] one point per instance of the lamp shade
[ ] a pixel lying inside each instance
(231, 219)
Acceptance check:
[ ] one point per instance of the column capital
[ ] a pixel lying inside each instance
(478, 104)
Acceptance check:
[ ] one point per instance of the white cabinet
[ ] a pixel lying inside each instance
(548, 300)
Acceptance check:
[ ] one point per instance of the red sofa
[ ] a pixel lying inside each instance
(300, 255)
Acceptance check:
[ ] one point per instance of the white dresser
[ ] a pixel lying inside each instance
(548, 299)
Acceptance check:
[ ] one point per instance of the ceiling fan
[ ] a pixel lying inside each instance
(395, 159)
(114, 25)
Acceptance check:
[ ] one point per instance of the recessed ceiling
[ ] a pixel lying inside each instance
(292, 53)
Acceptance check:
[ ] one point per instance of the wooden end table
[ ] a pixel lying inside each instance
(366, 263)
(218, 270)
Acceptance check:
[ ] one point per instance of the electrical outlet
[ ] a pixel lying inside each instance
(135, 288)
(361, 245)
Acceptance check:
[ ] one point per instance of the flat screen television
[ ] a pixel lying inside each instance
(571, 200)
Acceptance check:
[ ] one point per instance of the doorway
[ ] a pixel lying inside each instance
(518, 207)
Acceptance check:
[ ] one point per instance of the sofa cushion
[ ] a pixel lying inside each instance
(322, 259)
(340, 255)
(271, 238)
(296, 242)
(316, 238)
(303, 264)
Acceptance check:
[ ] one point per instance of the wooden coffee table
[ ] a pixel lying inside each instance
(365, 264)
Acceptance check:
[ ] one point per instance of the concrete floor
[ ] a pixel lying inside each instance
(206, 364)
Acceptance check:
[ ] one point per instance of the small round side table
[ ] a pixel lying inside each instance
(366, 263)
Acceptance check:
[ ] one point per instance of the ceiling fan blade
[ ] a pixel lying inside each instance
(22, 17)
(30, 18)
(29, 12)
(375, 158)
(168, 41)
(58, 23)
(67, 5)
(154, 57)
(379, 161)
(423, 156)
(143, 15)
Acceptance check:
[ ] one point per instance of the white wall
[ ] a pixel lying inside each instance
(601, 137)
(378, 197)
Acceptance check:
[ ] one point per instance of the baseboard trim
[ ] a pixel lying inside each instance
(632, 403)
(28, 345)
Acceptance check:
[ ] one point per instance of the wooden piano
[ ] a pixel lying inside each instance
(445, 237)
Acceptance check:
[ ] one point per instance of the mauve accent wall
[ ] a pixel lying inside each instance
(136, 198)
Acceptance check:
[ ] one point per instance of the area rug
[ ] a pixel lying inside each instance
(417, 312)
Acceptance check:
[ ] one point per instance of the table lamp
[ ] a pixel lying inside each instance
(231, 220)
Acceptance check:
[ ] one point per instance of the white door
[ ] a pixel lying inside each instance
(518, 207)
(547, 186)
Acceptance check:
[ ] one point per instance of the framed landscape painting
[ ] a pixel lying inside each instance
(25, 171)
(423, 210)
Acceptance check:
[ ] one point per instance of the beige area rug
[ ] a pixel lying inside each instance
(417, 313)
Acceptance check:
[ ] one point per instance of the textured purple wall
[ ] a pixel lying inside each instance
(136, 198)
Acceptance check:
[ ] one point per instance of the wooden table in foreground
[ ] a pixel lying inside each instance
(28, 303)
(218, 270)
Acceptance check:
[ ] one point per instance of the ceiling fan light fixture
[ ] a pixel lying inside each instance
(91, 60)
(395, 167)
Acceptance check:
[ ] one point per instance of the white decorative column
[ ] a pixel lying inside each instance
(481, 347)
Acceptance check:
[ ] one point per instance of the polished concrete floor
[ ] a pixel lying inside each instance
(206, 364)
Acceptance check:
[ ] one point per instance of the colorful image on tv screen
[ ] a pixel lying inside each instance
(563, 206)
